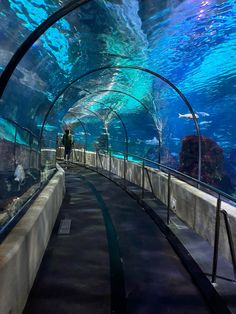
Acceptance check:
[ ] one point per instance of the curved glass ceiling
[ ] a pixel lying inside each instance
(190, 43)
(18, 19)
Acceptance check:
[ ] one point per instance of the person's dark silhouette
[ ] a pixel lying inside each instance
(67, 141)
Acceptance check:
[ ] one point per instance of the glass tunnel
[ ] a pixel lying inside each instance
(143, 81)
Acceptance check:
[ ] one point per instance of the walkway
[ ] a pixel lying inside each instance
(75, 276)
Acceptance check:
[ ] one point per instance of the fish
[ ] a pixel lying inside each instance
(47, 127)
(205, 122)
(188, 115)
(154, 141)
(82, 133)
(203, 114)
(217, 135)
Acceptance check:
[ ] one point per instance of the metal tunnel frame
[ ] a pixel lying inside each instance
(143, 105)
(100, 118)
(102, 91)
(121, 120)
(162, 78)
(72, 5)
(125, 130)
(31, 136)
(27, 44)
(20, 126)
(154, 74)
(104, 125)
(85, 135)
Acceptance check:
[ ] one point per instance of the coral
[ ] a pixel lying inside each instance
(212, 171)
(212, 158)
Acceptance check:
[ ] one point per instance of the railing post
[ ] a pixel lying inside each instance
(30, 146)
(84, 156)
(96, 160)
(14, 147)
(143, 180)
(216, 243)
(230, 239)
(125, 170)
(110, 163)
(168, 198)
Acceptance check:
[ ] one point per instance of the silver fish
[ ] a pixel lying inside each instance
(203, 114)
(188, 115)
(205, 122)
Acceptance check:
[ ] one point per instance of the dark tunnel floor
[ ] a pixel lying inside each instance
(74, 276)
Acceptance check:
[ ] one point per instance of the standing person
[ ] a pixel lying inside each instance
(67, 141)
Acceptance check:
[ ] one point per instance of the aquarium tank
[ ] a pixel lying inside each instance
(135, 79)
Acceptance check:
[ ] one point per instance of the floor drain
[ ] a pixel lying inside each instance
(64, 227)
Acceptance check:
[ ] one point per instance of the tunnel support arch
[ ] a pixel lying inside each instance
(85, 135)
(27, 44)
(112, 91)
(100, 118)
(121, 120)
(145, 107)
(154, 74)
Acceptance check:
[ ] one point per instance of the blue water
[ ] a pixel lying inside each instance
(191, 43)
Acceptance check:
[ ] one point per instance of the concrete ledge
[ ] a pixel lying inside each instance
(22, 250)
(195, 207)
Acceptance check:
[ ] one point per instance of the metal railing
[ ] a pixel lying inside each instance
(8, 225)
(28, 145)
(190, 180)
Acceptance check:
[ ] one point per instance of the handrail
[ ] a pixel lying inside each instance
(141, 103)
(225, 195)
(96, 115)
(29, 41)
(85, 135)
(19, 126)
(98, 153)
(154, 74)
(7, 227)
(118, 116)
(230, 238)
(218, 208)
(140, 69)
(149, 180)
